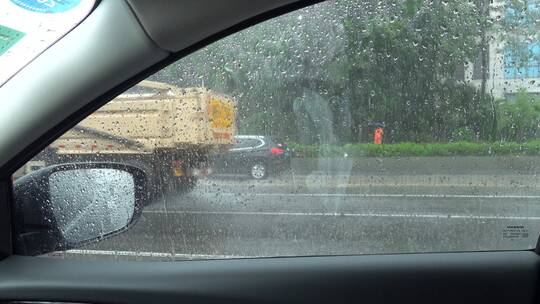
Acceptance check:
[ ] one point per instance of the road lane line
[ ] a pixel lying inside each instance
(525, 181)
(148, 254)
(374, 195)
(331, 214)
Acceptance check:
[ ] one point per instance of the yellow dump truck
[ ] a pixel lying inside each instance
(167, 131)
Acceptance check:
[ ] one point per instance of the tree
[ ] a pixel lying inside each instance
(409, 54)
(520, 118)
(353, 62)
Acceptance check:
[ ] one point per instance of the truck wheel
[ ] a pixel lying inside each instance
(258, 170)
(183, 185)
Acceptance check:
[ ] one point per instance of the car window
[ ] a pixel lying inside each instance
(239, 143)
(254, 143)
(409, 126)
(247, 143)
(242, 143)
(259, 142)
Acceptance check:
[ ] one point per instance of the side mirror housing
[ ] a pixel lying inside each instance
(70, 205)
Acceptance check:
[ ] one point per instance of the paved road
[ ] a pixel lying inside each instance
(339, 214)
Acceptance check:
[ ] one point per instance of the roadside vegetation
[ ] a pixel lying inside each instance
(416, 149)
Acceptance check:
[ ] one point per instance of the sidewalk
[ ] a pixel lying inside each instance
(321, 179)
(464, 165)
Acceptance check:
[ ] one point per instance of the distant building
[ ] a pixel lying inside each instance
(505, 76)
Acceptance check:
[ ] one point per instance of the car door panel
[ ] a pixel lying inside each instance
(488, 277)
(248, 156)
(236, 154)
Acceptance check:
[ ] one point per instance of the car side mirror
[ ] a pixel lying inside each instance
(66, 206)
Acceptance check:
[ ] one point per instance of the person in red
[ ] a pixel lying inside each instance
(377, 136)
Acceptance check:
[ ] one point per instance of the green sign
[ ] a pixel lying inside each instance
(8, 38)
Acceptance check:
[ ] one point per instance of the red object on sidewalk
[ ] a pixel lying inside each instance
(277, 151)
(377, 136)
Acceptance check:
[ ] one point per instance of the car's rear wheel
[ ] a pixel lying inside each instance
(258, 170)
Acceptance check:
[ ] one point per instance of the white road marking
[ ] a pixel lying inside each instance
(148, 254)
(443, 181)
(330, 214)
(374, 195)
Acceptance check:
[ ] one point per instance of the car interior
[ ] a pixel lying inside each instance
(121, 43)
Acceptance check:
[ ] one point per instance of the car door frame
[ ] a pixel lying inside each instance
(339, 279)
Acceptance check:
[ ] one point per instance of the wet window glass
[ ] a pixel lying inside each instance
(347, 127)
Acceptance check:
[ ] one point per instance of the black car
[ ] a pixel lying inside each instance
(255, 155)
